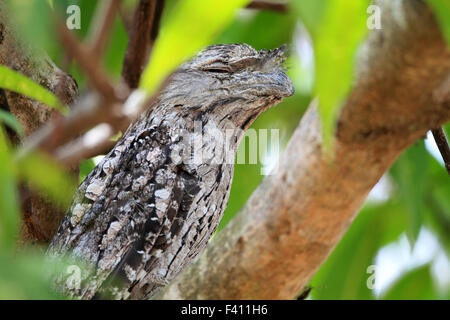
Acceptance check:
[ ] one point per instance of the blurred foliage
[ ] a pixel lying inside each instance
(419, 199)
(9, 201)
(335, 41)
(14, 81)
(374, 227)
(25, 276)
(33, 20)
(416, 284)
(86, 167)
(45, 174)
(418, 195)
(411, 173)
(429, 191)
(9, 120)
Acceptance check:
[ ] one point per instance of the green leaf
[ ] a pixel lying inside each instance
(9, 200)
(191, 25)
(262, 30)
(373, 227)
(9, 119)
(14, 81)
(416, 284)
(342, 27)
(411, 173)
(116, 49)
(441, 9)
(51, 3)
(422, 185)
(25, 276)
(447, 129)
(438, 202)
(34, 22)
(86, 167)
(311, 13)
(47, 176)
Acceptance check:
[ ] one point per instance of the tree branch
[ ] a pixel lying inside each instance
(97, 76)
(267, 5)
(103, 20)
(139, 43)
(272, 248)
(40, 217)
(160, 4)
(442, 143)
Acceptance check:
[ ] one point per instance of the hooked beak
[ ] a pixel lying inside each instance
(282, 84)
(278, 83)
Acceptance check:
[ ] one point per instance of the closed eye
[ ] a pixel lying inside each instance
(217, 70)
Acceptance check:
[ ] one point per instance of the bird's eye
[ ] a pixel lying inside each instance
(216, 70)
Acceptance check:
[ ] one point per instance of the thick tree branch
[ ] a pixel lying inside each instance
(40, 217)
(272, 248)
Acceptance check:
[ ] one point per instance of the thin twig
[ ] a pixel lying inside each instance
(55, 137)
(102, 23)
(442, 143)
(160, 4)
(97, 76)
(136, 103)
(305, 293)
(266, 5)
(105, 146)
(71, 153)
(86, 113)
(139, 43)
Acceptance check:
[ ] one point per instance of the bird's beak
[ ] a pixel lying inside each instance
(279, 83)
(283, 84)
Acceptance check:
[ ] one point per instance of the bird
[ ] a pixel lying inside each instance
(150, 206)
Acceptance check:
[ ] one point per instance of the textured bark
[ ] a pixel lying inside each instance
(40, 217)
(151, 205)
(286, 230)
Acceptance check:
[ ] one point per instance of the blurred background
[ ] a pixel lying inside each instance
(396, 248)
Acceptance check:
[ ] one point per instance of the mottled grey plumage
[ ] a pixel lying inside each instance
(148, 209)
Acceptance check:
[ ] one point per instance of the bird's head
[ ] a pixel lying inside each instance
(230, 81)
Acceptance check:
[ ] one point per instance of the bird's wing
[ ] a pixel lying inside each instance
(133, 204)
(154, 233)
